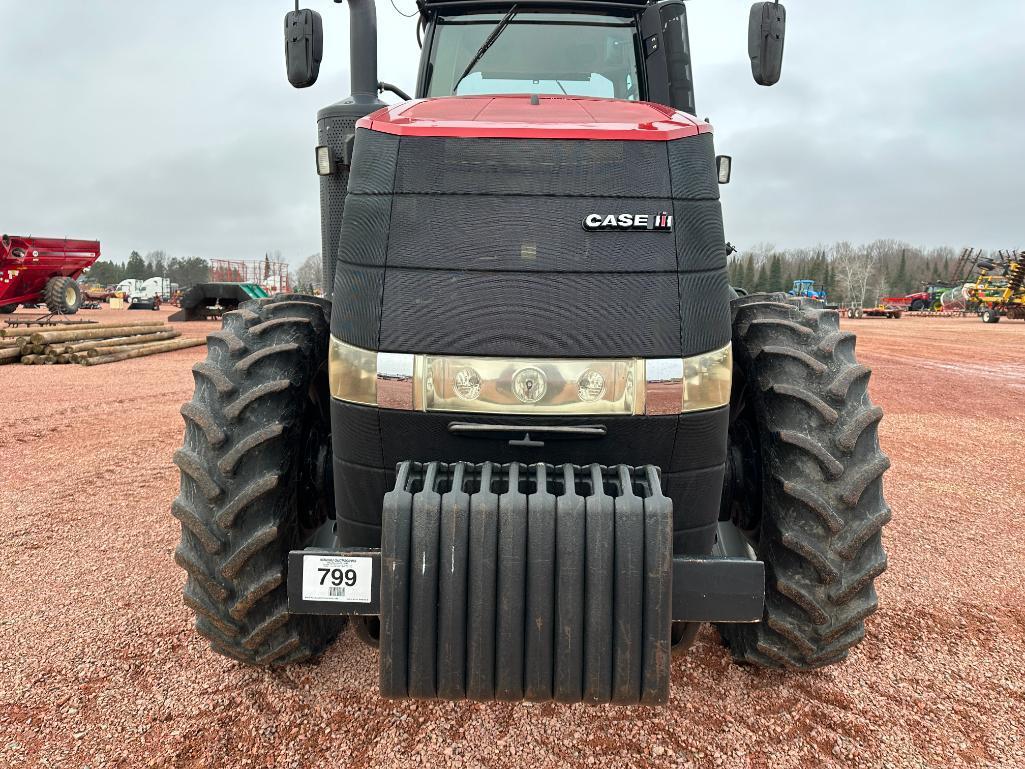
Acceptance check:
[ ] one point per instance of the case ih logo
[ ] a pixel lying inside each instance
(660, 222)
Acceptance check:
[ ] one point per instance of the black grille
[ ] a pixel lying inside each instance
(439, 165)
(476, 247)
(373, 163)
(692, 168)
(528, 234)
(517, 313)
(367, 222)
(356, 305)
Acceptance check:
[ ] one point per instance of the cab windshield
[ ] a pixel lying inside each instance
(543, 53)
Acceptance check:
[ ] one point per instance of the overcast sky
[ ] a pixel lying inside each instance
(171, 124)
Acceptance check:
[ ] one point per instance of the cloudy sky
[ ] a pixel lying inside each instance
(171, 125)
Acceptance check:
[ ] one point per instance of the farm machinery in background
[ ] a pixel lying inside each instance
(998, 290)
(231, 283)
(806, 289)
(941, 295)
(928, 299)
(44, 270)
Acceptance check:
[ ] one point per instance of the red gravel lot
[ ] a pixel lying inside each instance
(100, 665)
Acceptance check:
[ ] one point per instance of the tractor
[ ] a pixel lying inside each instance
(532, 439)
(806, 289)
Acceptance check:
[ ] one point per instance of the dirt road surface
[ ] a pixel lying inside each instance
(99, 665)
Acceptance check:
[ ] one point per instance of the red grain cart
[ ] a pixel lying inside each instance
(34, 270)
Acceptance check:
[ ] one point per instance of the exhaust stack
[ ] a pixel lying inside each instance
(336, 129)
(362, 49)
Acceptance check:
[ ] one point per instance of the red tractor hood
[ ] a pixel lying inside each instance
(531, 117)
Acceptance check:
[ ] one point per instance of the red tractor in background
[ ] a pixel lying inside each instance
(34, 270)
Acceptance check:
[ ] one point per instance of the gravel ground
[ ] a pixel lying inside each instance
(101, 666)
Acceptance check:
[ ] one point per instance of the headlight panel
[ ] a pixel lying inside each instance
(528, 386)
(524, 386)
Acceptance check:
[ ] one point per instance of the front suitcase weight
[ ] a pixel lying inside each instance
(423, 587)
(629, 591)
(396, 519)
(598, 634)
(454, 546)
(488, 592)
(569, 590)
(540, 631)
(480, 618)
(512, 578)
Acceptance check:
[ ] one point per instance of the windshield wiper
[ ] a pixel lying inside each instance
(488, 42)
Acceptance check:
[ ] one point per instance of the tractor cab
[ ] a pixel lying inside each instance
(631, 51)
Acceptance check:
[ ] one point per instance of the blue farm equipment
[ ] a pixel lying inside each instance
(806, 288)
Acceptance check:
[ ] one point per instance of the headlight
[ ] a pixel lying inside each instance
(707, 380)
(551, 386)
(527, 386)
(325, 161)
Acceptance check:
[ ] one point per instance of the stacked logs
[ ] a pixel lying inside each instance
(90, 345)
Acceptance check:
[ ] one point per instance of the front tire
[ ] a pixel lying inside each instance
(254, 472)
(989, 315)
(63, 296)
(815, 513)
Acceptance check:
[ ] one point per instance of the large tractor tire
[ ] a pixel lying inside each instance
(7, 309)
(63, 296)
(917, 305)
(256, 479)
(807, 474)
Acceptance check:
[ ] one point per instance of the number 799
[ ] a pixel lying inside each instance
(338, 577)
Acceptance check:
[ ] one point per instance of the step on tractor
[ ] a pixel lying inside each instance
(532, 439)
(44, 270)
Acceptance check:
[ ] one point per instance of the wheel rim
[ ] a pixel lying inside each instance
(69, 295)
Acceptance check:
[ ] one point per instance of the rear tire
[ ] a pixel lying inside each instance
(7, 309)
(815, 517)
(63, 296)
(918, 305)
(254, 479)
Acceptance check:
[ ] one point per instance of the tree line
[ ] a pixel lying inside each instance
(849, 273)
(185, 271)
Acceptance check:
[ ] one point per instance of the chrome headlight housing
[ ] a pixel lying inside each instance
(524, 386)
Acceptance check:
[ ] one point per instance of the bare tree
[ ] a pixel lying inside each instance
(857, 268)
(308, 278)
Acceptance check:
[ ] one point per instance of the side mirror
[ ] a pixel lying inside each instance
(304, 47)
(765, 41)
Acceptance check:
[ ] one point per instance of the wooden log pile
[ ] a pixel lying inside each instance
(90, 345)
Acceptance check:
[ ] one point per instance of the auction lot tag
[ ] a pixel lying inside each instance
(334, 578)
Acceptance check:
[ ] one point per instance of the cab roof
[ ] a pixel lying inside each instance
(535, 117)
(469, 6)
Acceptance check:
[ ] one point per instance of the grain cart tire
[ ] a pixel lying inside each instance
(62, 296)
(255, 479)
(816, 513)
(7, 309)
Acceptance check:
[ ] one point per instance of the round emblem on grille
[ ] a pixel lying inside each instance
(529, 385)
